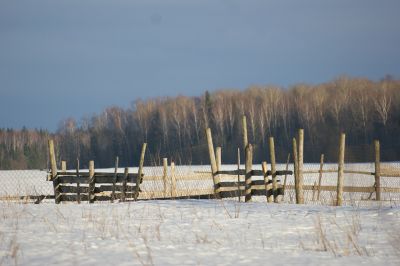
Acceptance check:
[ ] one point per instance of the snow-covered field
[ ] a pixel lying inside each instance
(198, 232)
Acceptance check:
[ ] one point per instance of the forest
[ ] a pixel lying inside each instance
(174, 127)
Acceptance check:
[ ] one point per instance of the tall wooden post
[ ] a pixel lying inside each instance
(123, 191)
(213, 163)
(218, 156)
(140, 171)
(284, 181)
(268, 187)
(78, 185)
(92, 184)
(173, 180)
(321, 166)
(238, 176)
(248, 166)
(53, 162)
(114, 179)
(300, 166)
(377, 170)
(296, 171)
(165, 172)
(54, 178)
(273, 169)
(244, 130)
(340, 182)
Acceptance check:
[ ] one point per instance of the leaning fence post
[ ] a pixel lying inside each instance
(53, 162)
(296, 171)
(340, 182)
(54, 178)
(92, 185)
(377, 170)
(165, 171)
(140, 171)
(213, 163)
(248, 166)
(321, 166)
(300, 165)
(273, 169)
(244, 130)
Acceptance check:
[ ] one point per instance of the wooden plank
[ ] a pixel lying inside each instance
(98, 179)
(73, 189)
(85, 197)
(340, 181)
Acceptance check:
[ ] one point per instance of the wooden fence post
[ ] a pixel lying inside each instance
(114, 179)
(268, 188)
(173, 180)
(321, 166)
(63, 167)
(244, 130)
(140, 171)
(284, 181)
(53, 162)
(273, 169)
(248, 166)
(300, 166)
(78, 185)
(296, 171)
(377, 170)
(238, 176)
(123, 192)
(218, 156)
(54, 178)
(92, 184)
(340, 182)
(165, 172)
(213, 163)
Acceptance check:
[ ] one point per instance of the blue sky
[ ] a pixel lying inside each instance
(70, 58)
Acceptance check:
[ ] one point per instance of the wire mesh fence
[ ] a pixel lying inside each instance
(172, 180)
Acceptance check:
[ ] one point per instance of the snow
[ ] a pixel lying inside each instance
(198, 232)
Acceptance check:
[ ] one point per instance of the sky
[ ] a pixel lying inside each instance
(68, 58)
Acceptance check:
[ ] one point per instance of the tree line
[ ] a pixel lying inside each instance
(174, 127)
